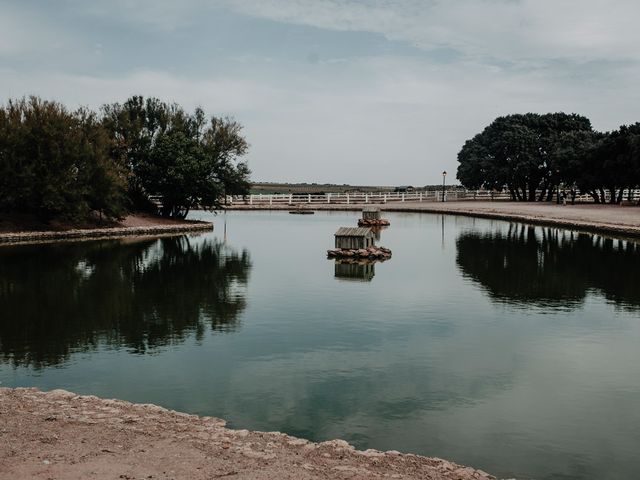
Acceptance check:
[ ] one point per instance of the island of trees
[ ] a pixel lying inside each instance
(83, 164)
(535, 156)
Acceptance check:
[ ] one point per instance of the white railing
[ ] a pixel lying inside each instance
(338, 198)
(361, 198)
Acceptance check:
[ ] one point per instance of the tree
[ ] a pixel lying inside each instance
(133, 128)
(616, 159)
(517, 152)
(184, 159)
(55, 163)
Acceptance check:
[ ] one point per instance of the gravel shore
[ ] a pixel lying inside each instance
(60, 435)
(132, 225)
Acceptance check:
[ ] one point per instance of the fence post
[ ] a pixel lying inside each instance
(270, 199)
(384, 200)
(328, 197)
(309, 198)
(251, 199)
(290, 199)
(347, 199)
(403, 197)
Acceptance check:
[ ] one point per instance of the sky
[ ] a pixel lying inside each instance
(376, 92)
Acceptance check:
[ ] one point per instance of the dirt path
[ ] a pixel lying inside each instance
(610, 219)
(60, 435)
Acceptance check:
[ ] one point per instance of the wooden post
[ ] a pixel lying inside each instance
(271, 199)
(328, 197)
(251, 199)
(309, 198)
(403, 197)
(347, 199)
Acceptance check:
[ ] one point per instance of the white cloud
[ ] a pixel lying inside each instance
(512, 30)
(376, 119)
(394, 120)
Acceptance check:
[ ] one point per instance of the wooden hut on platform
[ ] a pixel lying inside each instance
(371, 213)
(353, 238)
(371, 218)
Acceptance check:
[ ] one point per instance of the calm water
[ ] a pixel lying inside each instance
(509, 348)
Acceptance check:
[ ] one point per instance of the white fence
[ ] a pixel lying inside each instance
(338, 198)
(385, 197)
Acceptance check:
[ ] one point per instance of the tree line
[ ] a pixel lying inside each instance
(57, 163)
(534, 156)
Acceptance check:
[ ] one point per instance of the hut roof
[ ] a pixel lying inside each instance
(352, 232)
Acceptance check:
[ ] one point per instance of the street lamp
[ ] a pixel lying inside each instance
(444, 175)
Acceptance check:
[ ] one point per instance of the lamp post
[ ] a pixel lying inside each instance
(444, 175)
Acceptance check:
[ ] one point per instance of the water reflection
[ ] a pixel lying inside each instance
(355, 269)
(377, 232)
(550, 267)
(141, 294)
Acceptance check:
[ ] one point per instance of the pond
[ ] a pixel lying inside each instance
(502, 346)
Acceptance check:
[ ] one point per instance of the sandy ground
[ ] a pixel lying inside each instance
(60, 435)
(20, 231)
(611, 219)
(29, 223)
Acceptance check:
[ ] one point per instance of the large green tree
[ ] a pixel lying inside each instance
(56, 163)
(518, 152)
(615, 162)
(185, 160)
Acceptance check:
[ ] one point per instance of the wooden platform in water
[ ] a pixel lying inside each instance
(301, 212)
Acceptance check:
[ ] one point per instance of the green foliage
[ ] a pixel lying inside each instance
(520, 153)
(73, 165)
(532, 155)
(184, 159)
(55, 163)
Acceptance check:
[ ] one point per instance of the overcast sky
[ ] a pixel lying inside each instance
(341, 91)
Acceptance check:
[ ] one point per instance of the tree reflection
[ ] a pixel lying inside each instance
(550, 267)
(140, 294)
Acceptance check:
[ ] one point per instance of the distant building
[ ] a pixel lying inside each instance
(404, 188)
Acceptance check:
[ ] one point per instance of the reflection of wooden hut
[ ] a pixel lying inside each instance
(377, 231)
(354, 238)
(363, 272)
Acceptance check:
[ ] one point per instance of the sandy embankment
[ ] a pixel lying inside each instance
(610, 219)
(60, 435)
(137, 225)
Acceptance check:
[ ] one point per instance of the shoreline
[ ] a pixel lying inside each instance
(59, 434)
(613, 220)
(133, 226)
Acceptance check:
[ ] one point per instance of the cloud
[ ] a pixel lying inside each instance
(514, 30)
(374, 116)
